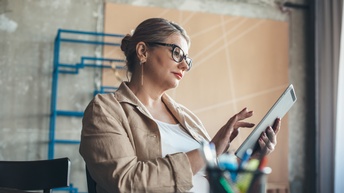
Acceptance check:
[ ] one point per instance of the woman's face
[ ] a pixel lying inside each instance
(161, 68)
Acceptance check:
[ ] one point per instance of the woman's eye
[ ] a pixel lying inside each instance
(177, 53)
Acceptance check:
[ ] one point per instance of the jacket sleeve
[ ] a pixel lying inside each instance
(111, 158)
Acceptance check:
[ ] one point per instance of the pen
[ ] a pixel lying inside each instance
(261, 166)
(209, 154)
(213, 152)
(226, 185)
(244, 160)
(262, 163)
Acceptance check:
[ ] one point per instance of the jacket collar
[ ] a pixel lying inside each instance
(125, 95)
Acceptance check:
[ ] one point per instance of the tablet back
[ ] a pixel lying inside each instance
(278, 110)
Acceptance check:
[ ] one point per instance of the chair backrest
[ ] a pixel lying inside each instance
(35, 175)
(91, 184)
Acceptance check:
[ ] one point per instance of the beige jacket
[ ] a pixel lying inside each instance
(120, 143)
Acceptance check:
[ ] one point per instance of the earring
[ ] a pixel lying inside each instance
(141, 64)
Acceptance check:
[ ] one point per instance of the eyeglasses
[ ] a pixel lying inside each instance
(177, 53)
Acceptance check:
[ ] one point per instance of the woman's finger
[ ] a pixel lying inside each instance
(233, 135)
(277, 125)
(230, 130)
(268, 143)
(243, 124)
(263, 149)
(271, 135)
(243, 114)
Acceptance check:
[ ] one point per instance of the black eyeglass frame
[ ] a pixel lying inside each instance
(187, 59)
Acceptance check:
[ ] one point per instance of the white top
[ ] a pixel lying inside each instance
(175, 139)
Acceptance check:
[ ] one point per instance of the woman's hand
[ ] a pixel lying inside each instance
(268, 140)
(230, 130)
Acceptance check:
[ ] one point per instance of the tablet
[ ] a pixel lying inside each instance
(278, 110)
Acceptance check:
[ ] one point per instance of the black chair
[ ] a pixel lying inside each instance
(35, 175)
(91, 184)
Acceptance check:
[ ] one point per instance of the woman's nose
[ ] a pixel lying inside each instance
(183, 65)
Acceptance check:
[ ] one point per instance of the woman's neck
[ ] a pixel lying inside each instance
(151, 97)
(148, 94)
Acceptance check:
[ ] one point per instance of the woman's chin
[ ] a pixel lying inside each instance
(172, 84)
(176, 84)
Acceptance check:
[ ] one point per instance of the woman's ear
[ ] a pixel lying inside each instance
(141, 50)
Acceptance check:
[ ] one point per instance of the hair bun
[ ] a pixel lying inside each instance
(124, 44)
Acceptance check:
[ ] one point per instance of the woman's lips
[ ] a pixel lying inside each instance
(178, 75)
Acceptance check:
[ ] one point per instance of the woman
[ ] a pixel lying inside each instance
(138, 139)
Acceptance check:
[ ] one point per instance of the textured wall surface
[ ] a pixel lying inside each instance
(27, 32)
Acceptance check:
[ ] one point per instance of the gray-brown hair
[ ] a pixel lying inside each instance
(150, 30)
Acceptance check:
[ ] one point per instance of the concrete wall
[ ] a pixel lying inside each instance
(27, 32)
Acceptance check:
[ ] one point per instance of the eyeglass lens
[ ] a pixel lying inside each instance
(178, 56)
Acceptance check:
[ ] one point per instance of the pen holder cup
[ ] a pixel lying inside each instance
(242, 181)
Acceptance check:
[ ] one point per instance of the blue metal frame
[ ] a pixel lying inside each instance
(82, 64)
(74, 69)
